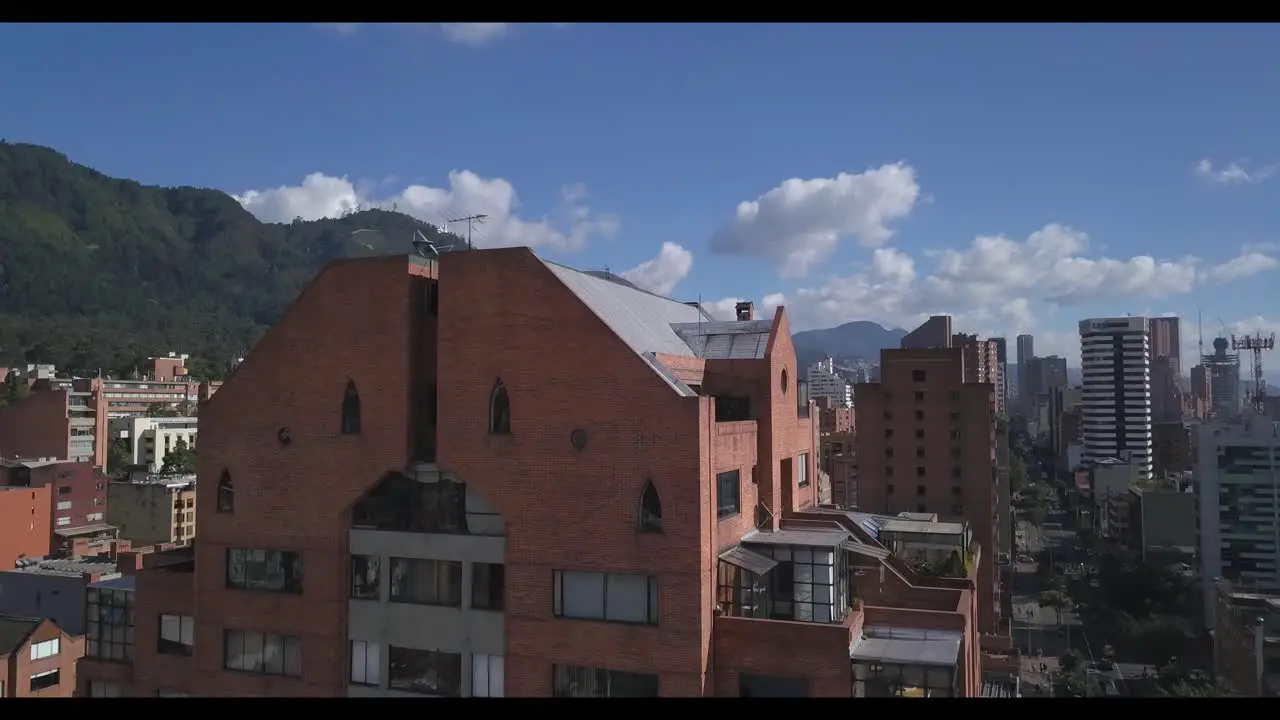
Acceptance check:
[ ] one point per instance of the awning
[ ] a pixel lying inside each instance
(862, 548)
(753, 562)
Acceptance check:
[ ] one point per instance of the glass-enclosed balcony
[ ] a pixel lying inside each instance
(906, 662)
(773, 576)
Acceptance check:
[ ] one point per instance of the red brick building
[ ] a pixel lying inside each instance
(60, 419)
(26, 521)
(926, 444)
(79, 496)
(488, 489)
(37, 659)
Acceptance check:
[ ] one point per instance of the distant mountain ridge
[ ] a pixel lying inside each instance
(860, 340)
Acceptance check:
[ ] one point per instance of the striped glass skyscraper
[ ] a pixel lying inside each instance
(1115, 357)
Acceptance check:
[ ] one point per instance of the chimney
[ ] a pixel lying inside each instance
(745, 310)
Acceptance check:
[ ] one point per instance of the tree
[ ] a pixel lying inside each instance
(180, 460)
(13, 391)
(1017, 473)
(1055, 599)
(118, 456)
(186, 408)
(161, 409)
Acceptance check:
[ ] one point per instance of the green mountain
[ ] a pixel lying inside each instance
(98, 272)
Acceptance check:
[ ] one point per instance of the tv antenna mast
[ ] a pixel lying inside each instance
(470, 220)
(1256, 344)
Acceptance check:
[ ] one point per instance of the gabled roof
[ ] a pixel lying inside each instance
(649, 323)
(14, 631)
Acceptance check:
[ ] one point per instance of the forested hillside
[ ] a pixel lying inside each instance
(98, 272)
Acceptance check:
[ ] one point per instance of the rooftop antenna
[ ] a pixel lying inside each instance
(1200, 329)
(1256, 344)
(470, 220)
(424, 247)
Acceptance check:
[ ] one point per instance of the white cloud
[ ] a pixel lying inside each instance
(320, 196)
(800, 222)
(1234, 173)
(475, 34)
(661, 274)
(1001, 284)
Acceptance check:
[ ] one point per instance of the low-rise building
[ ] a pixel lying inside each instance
(151, 438)
(154, 508)
(1246, 641)
(25, 523)
(1162, 522)
(37, 658)
(53, 588)
(78, 495)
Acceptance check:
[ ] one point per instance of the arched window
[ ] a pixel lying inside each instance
(351, 410)
(650, 509)
(226, 494)
(499, 410)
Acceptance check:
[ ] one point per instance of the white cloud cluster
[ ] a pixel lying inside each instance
(470, 34)
(662, 273)
(800, 222)
(1234, 173)
(320, 196)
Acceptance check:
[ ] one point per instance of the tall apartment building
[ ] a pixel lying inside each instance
(926, 444)
(1167, 385)
(1116, 398)
(1237, 486)
(982, 364)
(442, 513)
(825, 382)
(1002, 357)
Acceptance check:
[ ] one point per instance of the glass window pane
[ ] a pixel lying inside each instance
(497, 676)
(627, 598)
(170, 628)
(189, 630)
(253, 651)
(372, 666)
(803, 554)
(479, 675)
(272, 655)
(583, 595)
(357, 662)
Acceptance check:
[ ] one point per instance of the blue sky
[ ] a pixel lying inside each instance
(1127, 169)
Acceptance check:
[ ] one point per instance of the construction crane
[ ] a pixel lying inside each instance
(1256, 344)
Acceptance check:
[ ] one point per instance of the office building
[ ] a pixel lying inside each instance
(1116, 396)
(151, 438)
(442, 515)
(1237, 486)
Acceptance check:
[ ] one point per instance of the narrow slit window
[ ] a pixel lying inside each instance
(226, 494)
(499, 410)
(650, 509)
(351, 410)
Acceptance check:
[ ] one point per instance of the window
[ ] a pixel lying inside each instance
(919, 416)
(226, 494)
(45, 680)
(499, 410)
(402, 504)
(888, 471)
(728, 491)
(191, 503)
(957, 490)
(802, 470)
(650, 509)
(109, 624)
(957, 472)
(266, 570)
(955, 416)
(426, 582)
(920, 471)
(741, 592)
(46, 649)
(170, 692)
(871, 679)
(366, 663)
(177, 635)
(364, 577)
(888, 489)
(921, 490)
(808, 584)
(918, 376)
(64, 505)
(955, 434)
(487, 585)
(64, 490)
(63, 522)
(888, 452)
(101, 688)
(351, 410)
(424, 671)
(920, 452)
(610, 597)
(920, 434)
(488, 675)
(262, 653)
(580, 682)
(919, 396)
(433, 299)
(955, 453)
(888, 433)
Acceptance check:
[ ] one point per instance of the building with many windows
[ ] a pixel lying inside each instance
(1115, 403)
(511, 478)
